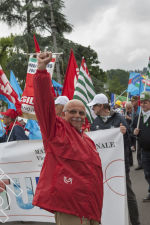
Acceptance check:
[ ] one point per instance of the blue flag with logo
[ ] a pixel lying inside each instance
(34, 130)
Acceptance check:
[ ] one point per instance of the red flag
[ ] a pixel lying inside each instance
(27, 98)
(71, 77)
(37, 48)
(7, 90)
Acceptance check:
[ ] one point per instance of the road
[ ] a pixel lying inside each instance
(140, 188)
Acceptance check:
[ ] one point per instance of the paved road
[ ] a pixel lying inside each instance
(140, 188)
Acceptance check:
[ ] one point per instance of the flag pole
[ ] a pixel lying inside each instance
(37, 53)
(119, 96)
(11, 129)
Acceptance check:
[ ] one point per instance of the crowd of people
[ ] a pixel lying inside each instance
(71, 156)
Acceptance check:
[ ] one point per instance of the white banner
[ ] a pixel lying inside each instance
(109, 144)
(20, 165)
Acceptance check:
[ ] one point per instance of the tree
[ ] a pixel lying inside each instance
(6, 49)
(117, 80)
(33, 15)
(28, 14)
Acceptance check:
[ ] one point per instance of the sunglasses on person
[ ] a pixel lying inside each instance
(74, 111)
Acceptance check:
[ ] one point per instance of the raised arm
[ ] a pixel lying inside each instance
(43, 97)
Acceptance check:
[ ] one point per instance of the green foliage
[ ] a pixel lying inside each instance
(35, 16)
(117, 81)
(6, 49)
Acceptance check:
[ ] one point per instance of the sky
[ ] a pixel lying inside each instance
(118, 30)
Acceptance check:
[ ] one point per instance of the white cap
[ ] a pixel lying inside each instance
(98, 99)
(61, 100)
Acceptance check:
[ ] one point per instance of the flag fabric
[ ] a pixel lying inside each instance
(84, 90)
(135, 84)
(28, 93)
(112, 99)
(57, 87)
(2, 129)
(34, 130)
(15, 85)
(146, 83)
(10, 104)
(37, 48)
(71, 77)
(148, 69)
(7, 91)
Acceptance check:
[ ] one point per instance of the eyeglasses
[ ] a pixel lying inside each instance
(73, 112)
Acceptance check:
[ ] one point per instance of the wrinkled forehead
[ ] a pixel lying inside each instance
(74, 104)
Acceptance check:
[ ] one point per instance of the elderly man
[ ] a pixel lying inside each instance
(143, 135)
(14, 129)
(71, 180)
(107, 119)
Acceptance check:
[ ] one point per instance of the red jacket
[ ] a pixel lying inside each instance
(71, 179)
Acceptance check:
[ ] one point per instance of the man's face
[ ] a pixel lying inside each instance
(145, 105)
(129, 109)
(134, 103)
(75, 114)
(98, 108)
(7, 120)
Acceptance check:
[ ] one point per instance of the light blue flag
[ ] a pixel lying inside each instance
(10, 104)
(34, 130)
(2, 129)
(15, 85)
(57, 87)
(135, 85)
(16, 88)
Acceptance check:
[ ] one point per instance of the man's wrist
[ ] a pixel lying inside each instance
(41, 67)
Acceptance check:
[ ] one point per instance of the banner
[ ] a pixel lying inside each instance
(8, 92)
(27, 105)
(20, 165)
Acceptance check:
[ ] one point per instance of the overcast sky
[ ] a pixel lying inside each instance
(118, 30)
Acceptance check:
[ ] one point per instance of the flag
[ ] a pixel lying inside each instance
(57, 88)
(135, 84)
(7, 91)
(2, 129)
(148, 69)
(34, 130)
(15, 84)
(71, 77)
(146, 83)
(37, 48)
(84, 90)
(28, 93)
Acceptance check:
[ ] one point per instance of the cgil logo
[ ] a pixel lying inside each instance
(68, 180)
(27, 100)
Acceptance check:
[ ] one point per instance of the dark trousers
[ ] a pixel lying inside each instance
(139, 154)
(146, 166)
(132, 202)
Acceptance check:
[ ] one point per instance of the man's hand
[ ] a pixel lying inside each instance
(43, 59)
(123, 129)
(136, 131)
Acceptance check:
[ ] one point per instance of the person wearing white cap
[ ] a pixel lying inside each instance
(60, 102)
(107, 119)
